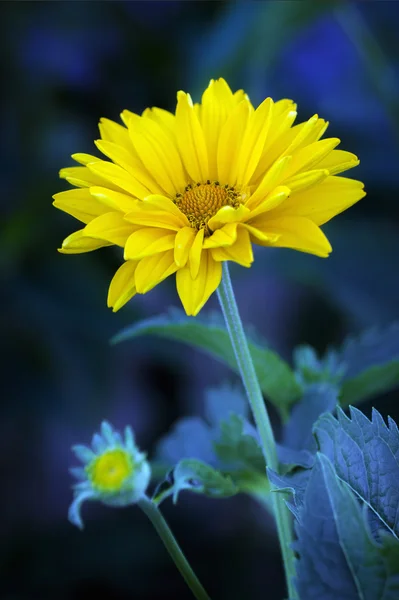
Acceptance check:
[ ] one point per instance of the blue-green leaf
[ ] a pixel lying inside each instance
(226, 441)
(198, 477)
(371, 364)
(190, 437)
(318, 398)
(365, 455)
(338, 558)
(310, 368)
(222, 401)
(208, 333)
(298, 445)
(237, 446)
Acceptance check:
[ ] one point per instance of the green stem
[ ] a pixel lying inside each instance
(239, 342)
(162, 528)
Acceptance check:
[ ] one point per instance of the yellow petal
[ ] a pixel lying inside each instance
(158, 152)
(316, 132)
(164, 118)
(80, 204)
(339, 161)
(226, 236)
(324, 201)
(217, 103)
(130, 162)
(194, 293)
(114, 174)
(284, 114)
(115, 200)
(281, 107)
(306, 180)
(190, 139)
(228, 214)
(297, 233)
(230, 141)
(80, 176)
(151, 270)
(311, 155)
(260, 237)
(272, 178)
(148, 241)
(240, 252)
(110, 227)
(126, 116)
(287, 143)
(254, 141)
(158, 202)
(154, 218)
(195, 253)
(84, 159)
(239, 96)
(120, 155)
(123, 286)
(183, 242)
(78, 242)
(114, 132)
(274, 199)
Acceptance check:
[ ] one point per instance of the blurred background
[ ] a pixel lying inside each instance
(64, 65)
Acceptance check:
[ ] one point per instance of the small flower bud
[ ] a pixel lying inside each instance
(114, 472)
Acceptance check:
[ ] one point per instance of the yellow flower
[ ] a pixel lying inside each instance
(183, 192)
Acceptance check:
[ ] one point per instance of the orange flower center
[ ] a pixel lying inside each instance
(201, 201)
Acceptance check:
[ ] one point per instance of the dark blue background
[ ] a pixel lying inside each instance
(65, 65)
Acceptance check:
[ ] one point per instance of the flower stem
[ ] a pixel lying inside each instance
(247, 371)
(162, 528)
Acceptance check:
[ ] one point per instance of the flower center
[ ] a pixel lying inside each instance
(109, 471)
(201, 201)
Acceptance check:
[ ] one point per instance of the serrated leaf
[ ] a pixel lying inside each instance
(208, 333)
(372, 365)
(365, 455)
(337, 556)
(198, 477)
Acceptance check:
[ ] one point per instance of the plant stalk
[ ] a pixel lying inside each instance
(162, 528)
(247, 371)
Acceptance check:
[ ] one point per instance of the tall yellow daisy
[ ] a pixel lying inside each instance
(183, 192)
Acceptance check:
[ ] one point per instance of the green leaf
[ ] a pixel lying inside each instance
(208, 333)
(225, 441)
(310, 368)
(198, 477)
(237, 447)
(372, 365)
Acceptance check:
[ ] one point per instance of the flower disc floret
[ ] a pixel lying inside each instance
(183, 192)
(201, 201)
(114, 471)
(109, 471)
